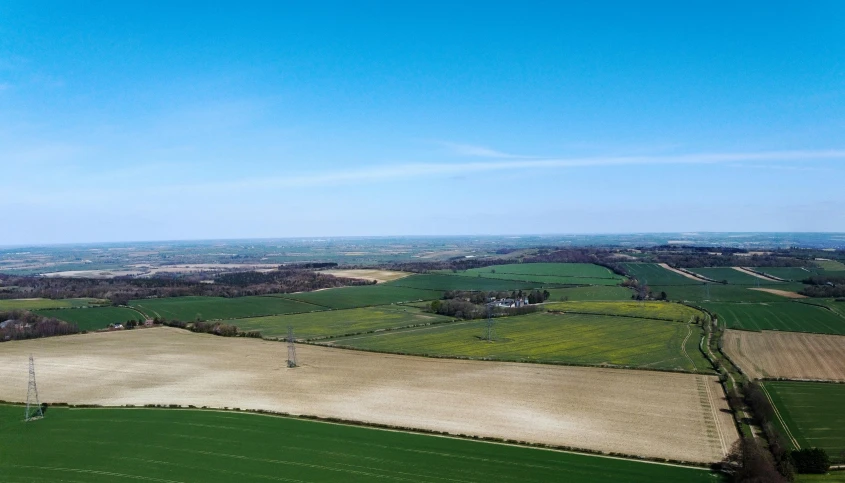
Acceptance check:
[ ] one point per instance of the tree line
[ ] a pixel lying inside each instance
(120, 290)
(23, 324)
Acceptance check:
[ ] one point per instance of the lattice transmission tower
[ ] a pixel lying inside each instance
(33, 405)
(291, 348)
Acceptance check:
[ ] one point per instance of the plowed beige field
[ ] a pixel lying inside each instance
(651, 414)
(782, 293)
(789, 355)
(380, 276)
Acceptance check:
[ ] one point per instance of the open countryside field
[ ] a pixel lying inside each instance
(150, 444)
(715, 292)
(566, 273)
(650, 309)
(590, 293)
(538, 279)
(585, 270)
(341, 322)
(362, 296)
(787, 355)
(646, 413)
(788, 273)
(810, 414)
(654, 274)
(37, 304)
(94, 318)
(552, 338)
(830, 265)
(732, 276)
(380, 276)
(218, 308)
(784, 316)
(455, 282)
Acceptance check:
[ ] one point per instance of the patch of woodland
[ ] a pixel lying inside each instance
(122, 289)
(214, 328)
(23, 324)
(600, 256)
(824, 286)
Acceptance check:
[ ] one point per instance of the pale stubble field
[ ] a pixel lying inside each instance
(644, 413)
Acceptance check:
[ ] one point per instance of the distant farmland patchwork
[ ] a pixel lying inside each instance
(732, 276)
(553, 338)
(340, 322)
(653, 274)
(351, 297)
(811, 414)
(150, 445)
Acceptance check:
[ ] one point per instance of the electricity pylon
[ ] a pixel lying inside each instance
(291, 348)
(33, 405)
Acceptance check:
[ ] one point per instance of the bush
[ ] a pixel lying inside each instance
(811, 460)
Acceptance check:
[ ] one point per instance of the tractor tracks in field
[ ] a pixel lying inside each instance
(684, 347)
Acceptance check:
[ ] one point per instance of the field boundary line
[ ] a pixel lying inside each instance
(780, 418)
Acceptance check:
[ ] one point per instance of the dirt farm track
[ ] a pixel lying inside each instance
(651, 414)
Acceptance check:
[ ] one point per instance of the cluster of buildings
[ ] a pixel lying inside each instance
(508, 303)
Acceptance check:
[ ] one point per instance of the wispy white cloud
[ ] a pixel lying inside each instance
(415, 170)
(777, 167)
(480, 151)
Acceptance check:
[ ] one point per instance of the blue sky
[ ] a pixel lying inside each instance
(142, 121)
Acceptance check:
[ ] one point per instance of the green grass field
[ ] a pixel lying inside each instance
(363, 296)
(725, 293)
(830, 265)
(657, 310)
(40, 304)
(654, 274)
(454, 282)
(537, 279)
(590, 293)
(340, 322)
(565, 273)
(587, 270)
(175, 446)
(551, 338)
(784, 316)
(93, 318)
(217, 308)
(732, 276)
(788, 273)
(812, 412)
